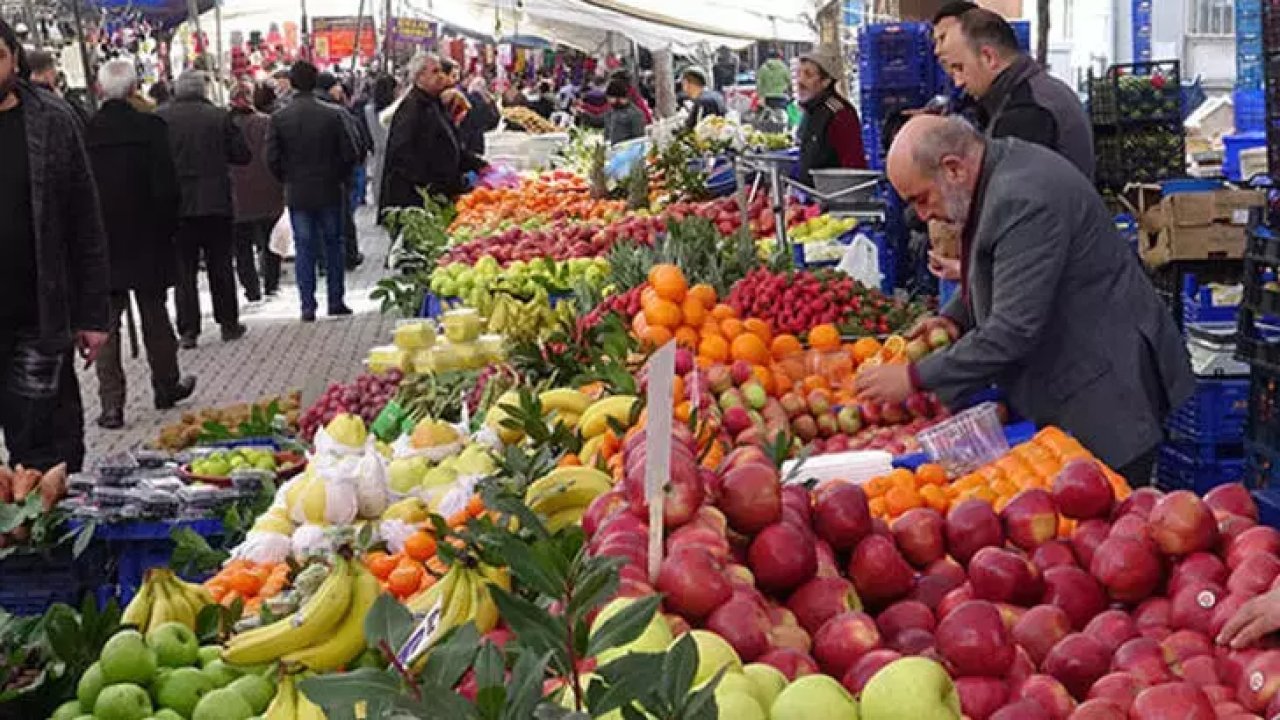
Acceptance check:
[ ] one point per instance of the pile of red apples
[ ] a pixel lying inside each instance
(1116, 622)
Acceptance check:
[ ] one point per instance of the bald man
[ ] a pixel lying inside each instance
(1054, 309)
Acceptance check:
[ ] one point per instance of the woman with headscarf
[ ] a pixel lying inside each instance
(257, 195)
(482, 117)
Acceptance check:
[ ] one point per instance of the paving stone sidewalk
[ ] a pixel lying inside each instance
(279, 353)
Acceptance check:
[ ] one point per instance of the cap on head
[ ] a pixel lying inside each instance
(827, 59)
(695, 74)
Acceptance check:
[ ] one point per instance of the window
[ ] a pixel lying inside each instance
(1211, 17)
(1067, 21)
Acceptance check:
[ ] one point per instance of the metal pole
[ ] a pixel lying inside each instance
(355, 52)
(306, 33)
(217, 37)
(193, 15)
(84, 56)
(386, 38)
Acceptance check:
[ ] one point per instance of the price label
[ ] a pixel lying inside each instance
(657, 469)
(420, 640)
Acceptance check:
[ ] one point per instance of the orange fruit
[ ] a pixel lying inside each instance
(760, 329)
(902, 477)
(687, 337)
(824, 337)
(683, 410)
(722, 312)
(664, 313)
(782, 382)
(877, 506)
(784, 345)
(731, 327)
(245, 582)
(648, 296)
(714, 348)
(931, 474)
(705, 295)
(934, 497)
(694, 313)
(677, 388)
(704, 363)
(877, 486)
(668, 282)
(710, 327)
(405, 580)
(901, 499)
(638, 324)
(816, 382)
(420, 546)
(765, 378)
(655, 336)
(749, 348)
(865, 348)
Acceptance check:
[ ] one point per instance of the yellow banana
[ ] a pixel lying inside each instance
(595, 420)
(423, 602)
(496, 575)
(568, 419)
(564, 518)
(313, 621)
(284, 706)
(590, 450)
(162, 610)
(457, 609)
(138, 611)
(484, 611)
(197, 594)
(347, 641)
(182, 609)
(308, 710)
(566, 400)
(566, 488)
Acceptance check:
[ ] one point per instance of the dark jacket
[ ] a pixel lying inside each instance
(1058, 312)
(205, 143)
(830, 136)
(256, 193)
(708, 103)
(71, 247)
(619, 124)
(482, 118)
(311, 150)
(1028, 103)
(423, 152)
(138, 189)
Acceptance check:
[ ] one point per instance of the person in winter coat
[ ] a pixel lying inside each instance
(480, 119)
(633, 93)
(138, 188)
(831, 133)
(258, 199)
(384, 93)
(623, 121)
(54, 279)
(331, 92)
(206, 143)
(705, 101)
(423, 150)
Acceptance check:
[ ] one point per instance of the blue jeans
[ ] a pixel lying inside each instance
(316, 231)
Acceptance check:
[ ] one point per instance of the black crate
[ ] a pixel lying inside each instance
(1137, 93)
(32, 581)
(1168, 280)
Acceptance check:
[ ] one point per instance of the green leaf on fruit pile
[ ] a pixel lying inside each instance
(337, 694)
(491, 693)
(679, 667)
(524, 690)
(635, 676)
(209, 624)
(537, 566)
(597, 582)
(701, 704)
(535, 628)
(387, 621)
(625, 626)
(192, 554)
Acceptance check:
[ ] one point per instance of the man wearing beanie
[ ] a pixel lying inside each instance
(831, 133)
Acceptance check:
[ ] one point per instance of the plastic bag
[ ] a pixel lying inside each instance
(624, 157)
(861, 261)
(282, 236)
(499, 176)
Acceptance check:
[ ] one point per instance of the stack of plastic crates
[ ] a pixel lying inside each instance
(1136, 111)
(1269, 31)
(1142, 29)
(896, 69)
(1258, 345)
(1206, 445)
(1248, 21)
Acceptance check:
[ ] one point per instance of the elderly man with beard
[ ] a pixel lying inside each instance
(1053, 308)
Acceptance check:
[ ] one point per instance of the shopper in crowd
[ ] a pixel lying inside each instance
(480, 119)
(423, 151)
(311, 151)
(541, 99)
(159, 93)
(705, 101)
(623, 121)
(258, 197)
(633, 92)
(773, 82)
(595, 99)
(45, 74)
(54, 280)
(1015, 96)
(944, 21)
(830, 133)
(329, 91)
(1044, 274)
(138, 188)
(384, 94)
(284, 88)
(206, 143)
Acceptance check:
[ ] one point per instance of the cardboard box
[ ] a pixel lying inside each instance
(1194, 225)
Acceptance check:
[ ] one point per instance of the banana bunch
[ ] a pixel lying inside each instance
(595, 419)
(526, 320)
(562, 495)
(462, 596)
(290, 704)
(164, 597)
(567, 404)
(324, 634)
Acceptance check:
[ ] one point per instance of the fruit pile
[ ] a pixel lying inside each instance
(366, 396)
(726, 213)
(517, 278)
(795, 301)
(39, 492)
(165, 598)
(562, 240)
(186, 433)
(670, 309)
(822, 228)
(220, 463)
(557, 195)
(249, 582)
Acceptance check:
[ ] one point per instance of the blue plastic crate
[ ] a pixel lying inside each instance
(1214, 414)
(1250, 107)
(1198, 467)
(895, 54)
(1022, 29)
(1233, 145)
(1198, 307)
(31, 582)
(135, 547)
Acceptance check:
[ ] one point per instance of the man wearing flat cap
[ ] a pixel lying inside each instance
(831, 132)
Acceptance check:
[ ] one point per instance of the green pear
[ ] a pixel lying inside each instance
(404, 474)
(655, 638)
(122, 701)
(223, 704)
(175, 645)
(818, 697)
(256, 690)
(126, 658)
(89, 686)
(167, 714)
(182, 689)
(908, 688)
(220, 673)
(209, 653)
(69, 710)
(767, 682)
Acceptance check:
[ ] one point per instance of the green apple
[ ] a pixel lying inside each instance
(735, 699)
(220, 673)
(86, 717)
(90, 685)
(224, 704)
(175, 645)
(714, 652)
(69, 710)
(655, 638)
(256, 690)
(818, 697)
(209, 653)
(122, 701)
(912, 687)
(181, 689)
(767, 683)
(167, 714)
(126, 658)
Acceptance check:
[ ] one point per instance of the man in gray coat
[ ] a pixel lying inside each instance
(1053, 307)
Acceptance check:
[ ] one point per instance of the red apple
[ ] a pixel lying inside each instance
(1139, 502)
(1081, 490)
(828, 565)
(602, 508)
(842, 640)
(744, 624)
(684, 494)
(1086, 538)
(1184, 645)
(797, 498)
(1192, 608)
(1134, 527)
(1001, 575)
(1040, 629)
(751, 497)
(1260, 681)
(1030, 519)
(1260, 540)
(1232, 663)
(1232, 498)
(693, 583)
(953, 600)
(865, 668)
(1182, 524)
(782, 558)
(1230, 526)
(905, 615)
(1076, 592)
(1021, 710)
(1155, 612)
(791, 663)
(1099, 710)
(1128, 569)
(975, 641)
(947, 569)
(821, 599)
(1172, 701)
(919, 535)
(1144, 659)
(700, 536)
(914, 641)
(1049, 693)
(1117, 687)
(1077, 661)
(1201, 565)
(879, 572)
(1053, 554)
(841, 515)
(785, 635)
(1023, 667)
(971, 526)
(930, 590)
(1254, 575)
(1112, 628)
(1201, 671)
(981, 697)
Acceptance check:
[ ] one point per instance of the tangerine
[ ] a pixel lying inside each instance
(723, 312)
(714, 348)
(731, 327)
(244, 582)
(749, 348)
(760, 329)
(784, 345)
(668, 282)
(824, 337)
(901, 499)
(931, 474)
(705, 295)
(420, 546)
(380, 564)
(655, 336)
(405, 580)
(687, 337)
(664, 313)
(865, 348)
(694, 312)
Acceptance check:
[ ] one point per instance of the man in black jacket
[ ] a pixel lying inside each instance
(53, 269)
(205, 143)
(133, 169)
(331, 92)
(310, 150)
(423, 149)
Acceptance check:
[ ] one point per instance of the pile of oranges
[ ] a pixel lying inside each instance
(405, 573)
(1033, 464)
(249, 582)
(548, 196)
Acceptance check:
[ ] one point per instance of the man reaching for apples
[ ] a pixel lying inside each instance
(1053, 308)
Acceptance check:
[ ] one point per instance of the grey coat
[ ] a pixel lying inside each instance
(205, 142)
(1059, 313)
